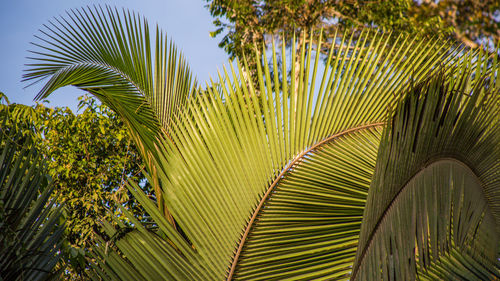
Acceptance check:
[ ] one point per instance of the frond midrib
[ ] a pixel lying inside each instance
(296, 160)
(427, 165)
(102, 65)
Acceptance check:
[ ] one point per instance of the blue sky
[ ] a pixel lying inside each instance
(187, 22)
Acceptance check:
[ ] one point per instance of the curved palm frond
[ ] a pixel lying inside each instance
(310, 224)
(433, 209)
(110, 55)
(30, 225)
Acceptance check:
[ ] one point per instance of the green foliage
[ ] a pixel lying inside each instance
(244, 23)
(90, 157)
(31, 226)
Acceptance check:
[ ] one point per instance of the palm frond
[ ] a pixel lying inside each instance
(310, 223)
(111, 56)
(433, 206)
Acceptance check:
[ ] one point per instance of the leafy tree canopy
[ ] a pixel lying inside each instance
(90, 157)
(244, 23)
(31, 226)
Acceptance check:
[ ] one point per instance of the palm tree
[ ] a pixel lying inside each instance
(382, 165)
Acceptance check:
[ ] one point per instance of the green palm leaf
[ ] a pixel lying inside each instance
(433, 206)
(110, 56)
(310, 224)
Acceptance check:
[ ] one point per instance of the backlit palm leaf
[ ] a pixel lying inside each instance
(110, 56)
(310, 224)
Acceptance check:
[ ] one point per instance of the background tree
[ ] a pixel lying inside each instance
(92, 156)
(89, 156)
(243, 23)
(472, 22)
(31, 225)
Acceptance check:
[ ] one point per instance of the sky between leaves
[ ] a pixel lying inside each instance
(187, 22)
